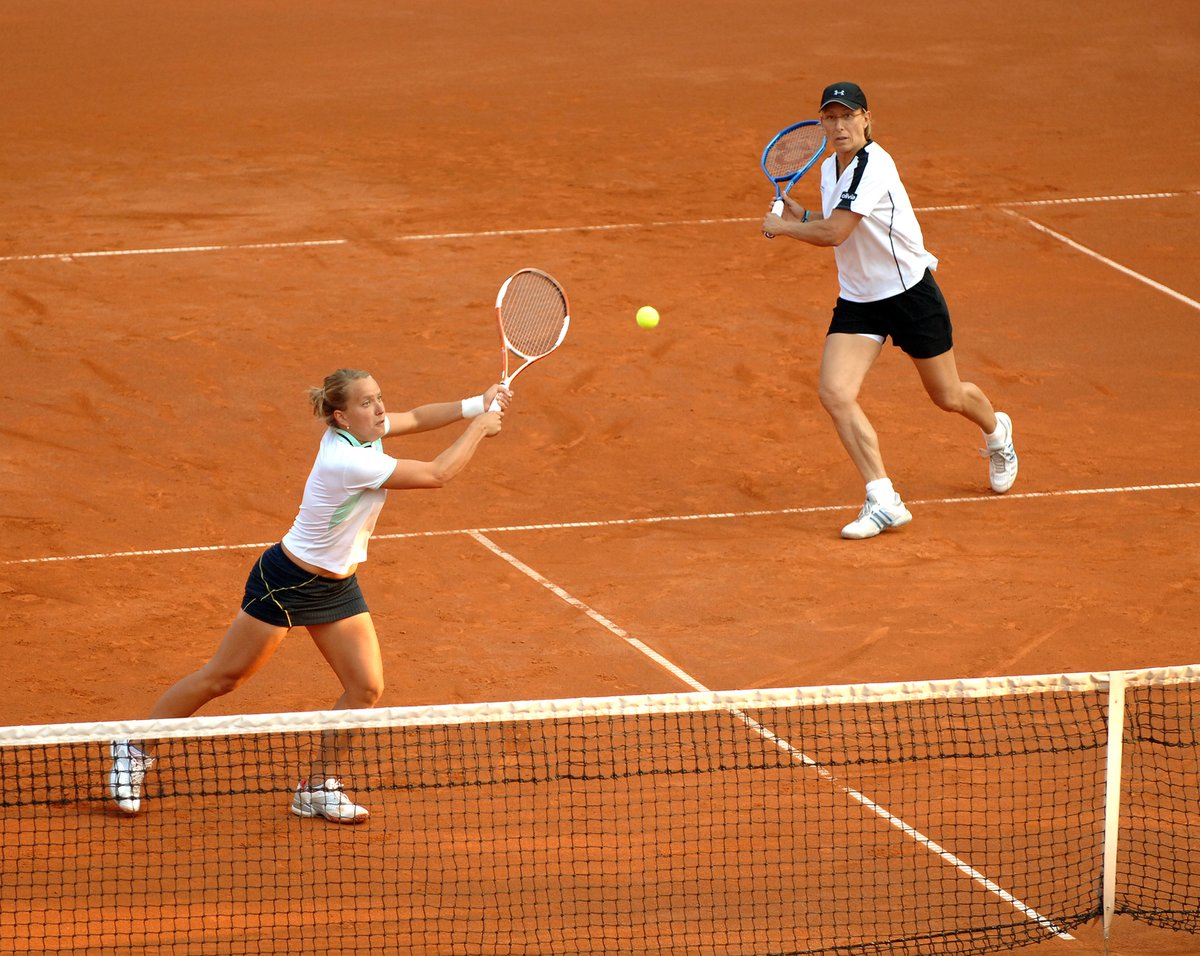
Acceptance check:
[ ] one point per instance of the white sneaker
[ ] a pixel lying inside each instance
(129, 766)
(329, 801)
(876, 517)
(1002, 467)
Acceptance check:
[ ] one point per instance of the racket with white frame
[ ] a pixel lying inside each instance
(790, 154)
(533, 315)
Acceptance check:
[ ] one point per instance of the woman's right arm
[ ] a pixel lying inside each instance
(435, 474)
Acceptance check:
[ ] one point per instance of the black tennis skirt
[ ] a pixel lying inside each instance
(280, 592)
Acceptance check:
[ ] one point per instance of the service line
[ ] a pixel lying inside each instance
(617, 522)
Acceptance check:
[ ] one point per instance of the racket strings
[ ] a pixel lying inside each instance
(792, 151)
(533, 315)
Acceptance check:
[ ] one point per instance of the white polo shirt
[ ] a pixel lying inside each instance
(342, 500)
(885, 254)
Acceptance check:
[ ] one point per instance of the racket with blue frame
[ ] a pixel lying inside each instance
(789, 155)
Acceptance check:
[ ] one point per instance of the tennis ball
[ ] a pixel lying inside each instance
(647, 317)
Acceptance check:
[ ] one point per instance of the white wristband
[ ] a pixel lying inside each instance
(472, 406)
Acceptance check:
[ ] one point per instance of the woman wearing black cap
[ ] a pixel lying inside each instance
(887, 288)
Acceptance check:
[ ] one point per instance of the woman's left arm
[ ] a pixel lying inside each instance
(816, 230)
(426, 418)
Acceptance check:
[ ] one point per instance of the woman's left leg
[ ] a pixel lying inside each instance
(352, 649)
(939, 375)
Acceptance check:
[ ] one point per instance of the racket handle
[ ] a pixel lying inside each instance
(495, 406)
(776, 209)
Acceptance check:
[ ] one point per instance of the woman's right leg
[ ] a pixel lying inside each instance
(247, 645)
(845, 361)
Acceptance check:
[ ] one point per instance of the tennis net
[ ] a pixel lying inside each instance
(942, 817)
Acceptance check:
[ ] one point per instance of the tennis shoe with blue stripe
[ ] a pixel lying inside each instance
(877, 517)
(129, 766)
(1002, 457)
(328, 800)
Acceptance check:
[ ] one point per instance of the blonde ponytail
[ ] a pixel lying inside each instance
(332, 395)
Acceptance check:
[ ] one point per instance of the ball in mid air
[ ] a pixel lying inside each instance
(647, 317)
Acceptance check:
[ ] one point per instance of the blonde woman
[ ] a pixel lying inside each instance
(885, 275)
(309, 579)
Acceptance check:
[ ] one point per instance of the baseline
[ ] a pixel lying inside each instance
(543, 231)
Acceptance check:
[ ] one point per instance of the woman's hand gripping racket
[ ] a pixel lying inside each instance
(789, 156)
(533, 316)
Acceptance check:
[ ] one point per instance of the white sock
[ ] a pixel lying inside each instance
(998, 438)
(881, 490)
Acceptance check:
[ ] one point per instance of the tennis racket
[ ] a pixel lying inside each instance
(533, 316)
(789, 156)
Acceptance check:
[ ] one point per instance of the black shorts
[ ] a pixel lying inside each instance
(280, 592)
(917, 320)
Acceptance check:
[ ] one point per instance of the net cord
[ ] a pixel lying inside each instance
(437, 714)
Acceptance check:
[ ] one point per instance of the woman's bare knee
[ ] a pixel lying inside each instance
(948, 400)
(363, 695)
(220, 683)
(835, 400)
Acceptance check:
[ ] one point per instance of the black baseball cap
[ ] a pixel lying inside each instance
(848, 94)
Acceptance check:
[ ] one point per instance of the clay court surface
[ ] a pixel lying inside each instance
(209, 206)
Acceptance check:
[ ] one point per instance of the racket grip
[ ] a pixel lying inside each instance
(495, 406)
(776, 209)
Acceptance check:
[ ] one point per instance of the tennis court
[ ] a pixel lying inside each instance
(210, 206)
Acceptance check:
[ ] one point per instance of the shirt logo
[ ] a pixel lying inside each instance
(849, 197)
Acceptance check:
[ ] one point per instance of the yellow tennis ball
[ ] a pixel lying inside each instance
(647, 317)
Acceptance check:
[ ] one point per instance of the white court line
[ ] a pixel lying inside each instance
(595, 615)
(551, 230)
(1108, 262)
(103, 253)
(798, 755)
(613, 522)
(1072, 201)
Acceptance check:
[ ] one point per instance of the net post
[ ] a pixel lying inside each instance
(1112, 794)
